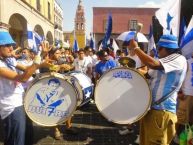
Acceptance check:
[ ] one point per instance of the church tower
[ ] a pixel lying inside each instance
(79, 27)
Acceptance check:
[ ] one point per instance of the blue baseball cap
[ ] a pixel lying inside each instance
(168, 41)
(5, 38)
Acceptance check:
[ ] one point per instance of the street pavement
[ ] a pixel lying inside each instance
(93, 129)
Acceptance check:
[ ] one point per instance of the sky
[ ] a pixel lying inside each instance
(69, 9)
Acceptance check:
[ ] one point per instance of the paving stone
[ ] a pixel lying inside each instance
(93, 129)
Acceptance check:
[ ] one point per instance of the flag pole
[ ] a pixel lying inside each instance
(179, 20)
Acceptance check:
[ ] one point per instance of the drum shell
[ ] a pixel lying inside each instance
(83, 85)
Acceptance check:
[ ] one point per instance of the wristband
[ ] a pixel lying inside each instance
(136, 48)
(54, 67)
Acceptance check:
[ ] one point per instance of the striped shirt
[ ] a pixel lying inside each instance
(163, 82)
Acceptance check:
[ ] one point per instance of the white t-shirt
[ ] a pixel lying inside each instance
(187, 87)
(93, 59)
(82, 65)
(11, 94)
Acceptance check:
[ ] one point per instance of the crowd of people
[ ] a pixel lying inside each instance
(169, 77)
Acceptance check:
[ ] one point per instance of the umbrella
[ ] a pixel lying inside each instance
(126, 36)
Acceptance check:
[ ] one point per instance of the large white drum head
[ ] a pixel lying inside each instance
(122, 95)
(50, 100)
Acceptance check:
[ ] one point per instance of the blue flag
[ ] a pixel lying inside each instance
(91, 43)
(108, 31)
(75, 45)
(182, 30)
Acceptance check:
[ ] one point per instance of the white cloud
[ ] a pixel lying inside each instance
(153, 4)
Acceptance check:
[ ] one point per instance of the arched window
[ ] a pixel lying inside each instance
(82, 26)
(77, 26)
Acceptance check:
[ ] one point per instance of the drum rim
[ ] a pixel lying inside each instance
(150, 96)
(38, 78)
(78, 89)
(81, 73)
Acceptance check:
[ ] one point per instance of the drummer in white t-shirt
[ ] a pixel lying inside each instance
(11, 91)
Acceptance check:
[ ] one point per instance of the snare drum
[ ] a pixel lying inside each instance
(50, 99)
(84, 86)
(122, 95)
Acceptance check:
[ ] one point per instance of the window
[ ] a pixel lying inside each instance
(49, 14)
(82, 26)
(38, 5)
(104, 25)
(133, 25)
(77, 26)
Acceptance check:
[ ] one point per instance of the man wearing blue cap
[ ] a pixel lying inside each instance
(11, 91)
(166, 76)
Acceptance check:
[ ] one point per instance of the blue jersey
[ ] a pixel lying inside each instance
(163, 82)
(102, 67)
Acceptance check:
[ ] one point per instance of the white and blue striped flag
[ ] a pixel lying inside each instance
(169, 16)
(187, 41)
(87, 41)
(34, 39)
(151, 43)
(92, 42)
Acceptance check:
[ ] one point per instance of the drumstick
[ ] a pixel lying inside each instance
(54, 68)
(138, 29)
(141, 67)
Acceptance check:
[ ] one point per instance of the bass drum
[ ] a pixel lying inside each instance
(83, 85)
(50, 99)
(122, 95)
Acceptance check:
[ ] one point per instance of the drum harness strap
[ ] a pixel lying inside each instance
(165, 97)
